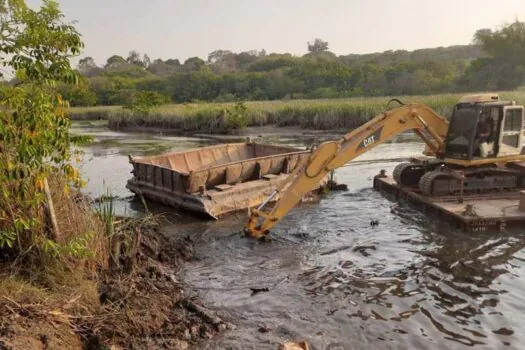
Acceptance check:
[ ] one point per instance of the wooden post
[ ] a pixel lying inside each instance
(51, 211)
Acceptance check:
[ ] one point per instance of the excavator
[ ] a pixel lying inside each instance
(480, 150)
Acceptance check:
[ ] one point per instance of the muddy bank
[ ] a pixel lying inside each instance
(143, 306)
(148, 308)
(26, 324)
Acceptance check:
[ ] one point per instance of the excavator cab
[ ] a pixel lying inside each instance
(482, 126)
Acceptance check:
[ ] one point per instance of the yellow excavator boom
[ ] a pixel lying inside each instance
(328, 156)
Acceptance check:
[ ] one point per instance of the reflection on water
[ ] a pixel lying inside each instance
(336, 281)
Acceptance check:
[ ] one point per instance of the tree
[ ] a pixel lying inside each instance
(245, 59)
(194, 64)
(144, 101)
(318, 46)
(173, 62)
(505, 68)
(115, 61)
(222, 61)
(218, 55)
(481, 35)
(86, 64)
(508, 42)
(199, 85)
(78, 95)
(162, 69)
(134, 58)
(273, 62)
(35, 142)
(87, 67)
(146, 61)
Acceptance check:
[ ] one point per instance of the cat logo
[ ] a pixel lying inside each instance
(368, 141)
(371, 139)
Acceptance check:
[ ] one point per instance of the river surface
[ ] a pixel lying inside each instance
(333, 279)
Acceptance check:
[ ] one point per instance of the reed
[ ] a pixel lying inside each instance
(312, 114)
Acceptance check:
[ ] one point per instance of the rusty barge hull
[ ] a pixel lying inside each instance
(215, 180)
(472, 213)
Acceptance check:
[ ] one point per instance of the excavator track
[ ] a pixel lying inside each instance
(488, 180)
(428, 182)
(408, 174)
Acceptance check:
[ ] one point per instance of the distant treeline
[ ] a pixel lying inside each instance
(495, 61)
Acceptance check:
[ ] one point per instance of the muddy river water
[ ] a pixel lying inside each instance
(333, 279)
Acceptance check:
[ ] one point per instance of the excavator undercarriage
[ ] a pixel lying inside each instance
(436, 178)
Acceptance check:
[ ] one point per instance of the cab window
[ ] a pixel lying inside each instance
(513, 120)
(495, 113)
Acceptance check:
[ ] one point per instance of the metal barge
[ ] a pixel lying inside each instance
(215, 180)
(471, 213)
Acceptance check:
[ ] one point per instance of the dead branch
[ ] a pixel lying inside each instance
(51, 212)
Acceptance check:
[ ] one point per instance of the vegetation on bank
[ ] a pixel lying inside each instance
(312, 114)
(73, 277)
(35, 143)
(51, 243)
(494, 61)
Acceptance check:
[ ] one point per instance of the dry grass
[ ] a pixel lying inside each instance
(76, 219)
(70, 267)
(48, 300)
(318, 114)
(54, 290)
(78, 297)
(35, 317)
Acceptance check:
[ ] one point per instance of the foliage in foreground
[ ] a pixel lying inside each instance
(35, 143)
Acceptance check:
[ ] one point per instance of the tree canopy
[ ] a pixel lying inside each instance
(504, 66)
(318, 45)
(35, 142)
(495, 60)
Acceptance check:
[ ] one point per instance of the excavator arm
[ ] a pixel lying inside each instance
(331, 155)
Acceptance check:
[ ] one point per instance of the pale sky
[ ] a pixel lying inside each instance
(184, 28)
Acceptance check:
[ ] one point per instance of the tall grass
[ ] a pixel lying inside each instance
(93, 113)
(313, 114)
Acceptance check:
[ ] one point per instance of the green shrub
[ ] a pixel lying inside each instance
(144, 101)
(236, 117)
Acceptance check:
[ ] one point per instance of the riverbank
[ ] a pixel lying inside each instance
(220, 118)
(142, 307)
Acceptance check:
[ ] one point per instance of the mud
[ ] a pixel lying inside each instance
(26, 327)
(148, 308)
(145, 307)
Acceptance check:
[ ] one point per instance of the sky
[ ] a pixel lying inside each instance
(185, 28)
